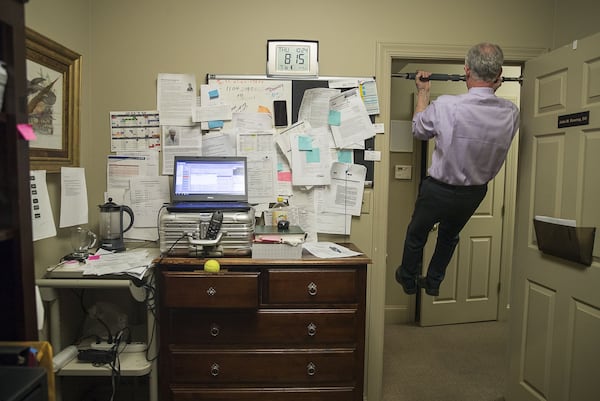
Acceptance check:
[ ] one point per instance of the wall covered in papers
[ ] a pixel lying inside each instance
(252, 92)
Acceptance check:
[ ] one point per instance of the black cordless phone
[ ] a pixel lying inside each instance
(215, 225)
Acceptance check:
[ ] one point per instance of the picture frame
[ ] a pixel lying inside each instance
(53, 87)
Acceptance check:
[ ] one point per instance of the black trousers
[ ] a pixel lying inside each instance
(449, 205)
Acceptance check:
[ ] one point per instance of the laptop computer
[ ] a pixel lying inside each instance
(209, 183)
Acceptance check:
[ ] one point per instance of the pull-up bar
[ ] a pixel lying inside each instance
(446, 77)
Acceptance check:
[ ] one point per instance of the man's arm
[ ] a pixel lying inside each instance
(423, 88)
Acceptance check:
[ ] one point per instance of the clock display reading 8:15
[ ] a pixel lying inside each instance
(293, 58)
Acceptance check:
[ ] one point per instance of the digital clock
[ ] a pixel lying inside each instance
(287, 58)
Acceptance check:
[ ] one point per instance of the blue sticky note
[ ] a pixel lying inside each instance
(213, 93)
(304, 142)
(344, 156)
(313, 156)
(215, 124)
(335, 118)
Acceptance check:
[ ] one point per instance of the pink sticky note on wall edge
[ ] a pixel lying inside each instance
(27, 132)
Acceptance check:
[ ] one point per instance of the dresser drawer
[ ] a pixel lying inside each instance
(265, 326)
(311, 286)
(206, 290)
(264, 394)
(254, 366)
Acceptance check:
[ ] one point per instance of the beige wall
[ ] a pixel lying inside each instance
(68, 23)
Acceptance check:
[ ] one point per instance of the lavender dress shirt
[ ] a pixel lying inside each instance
(472, 132)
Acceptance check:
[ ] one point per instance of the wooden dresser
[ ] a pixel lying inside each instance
(262, 329)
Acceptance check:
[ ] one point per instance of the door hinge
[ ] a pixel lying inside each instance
(499, 287)
(502, 211)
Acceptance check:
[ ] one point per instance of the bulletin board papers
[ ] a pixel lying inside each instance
(259, 149)
(368, 93)
(314, 108)
(41, 211)
(181, 141)
(133, 180)
(73, 197)
(310, 158)
(176, 98)
(344, 194)
(349, 121)
(134, 131)
(248, 95)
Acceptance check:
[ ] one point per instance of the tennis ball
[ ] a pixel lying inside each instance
(212, 266)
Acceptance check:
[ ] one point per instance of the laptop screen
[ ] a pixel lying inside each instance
(207, 178)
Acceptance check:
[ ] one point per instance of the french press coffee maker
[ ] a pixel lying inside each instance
(111, 225)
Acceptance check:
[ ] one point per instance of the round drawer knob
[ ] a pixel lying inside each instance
(312, 329)
(311, 369)
(312, 289)
(214, 329)
(211, 291)
(214, 369)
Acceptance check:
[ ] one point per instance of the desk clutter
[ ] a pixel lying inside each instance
(185, 234)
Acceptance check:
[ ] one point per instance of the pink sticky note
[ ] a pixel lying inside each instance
(26, 132)
(93, 257)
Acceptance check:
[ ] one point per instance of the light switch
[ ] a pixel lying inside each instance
(402, 172)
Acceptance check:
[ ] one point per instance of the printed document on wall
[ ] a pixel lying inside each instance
(310, 158)
(41, 211)
(73, 197)
(180, 141)
(134, 131)
(259, 149)
(349, 120)
(345, 193)
(176, 98)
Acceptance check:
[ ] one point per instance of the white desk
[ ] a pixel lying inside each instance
(131, 363)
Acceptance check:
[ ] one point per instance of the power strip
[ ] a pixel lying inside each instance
(123, 346)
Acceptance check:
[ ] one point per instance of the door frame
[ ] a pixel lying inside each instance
(386, 52)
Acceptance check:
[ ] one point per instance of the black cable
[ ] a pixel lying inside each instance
(184, 235)
(150, 302)
(115, 365)
(158, 220)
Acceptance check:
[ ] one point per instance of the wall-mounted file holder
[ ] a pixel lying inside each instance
(565, 241)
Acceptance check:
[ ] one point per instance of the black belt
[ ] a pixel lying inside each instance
(457, 187)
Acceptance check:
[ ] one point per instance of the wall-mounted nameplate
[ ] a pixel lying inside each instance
(572, 120)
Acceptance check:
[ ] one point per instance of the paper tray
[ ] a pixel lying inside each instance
(276, 251)
(572, 243)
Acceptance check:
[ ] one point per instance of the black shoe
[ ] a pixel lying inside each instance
(409, 286)
(429, 289)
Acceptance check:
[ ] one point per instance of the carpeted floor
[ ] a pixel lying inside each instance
(462, 362)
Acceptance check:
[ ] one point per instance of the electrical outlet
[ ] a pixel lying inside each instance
(123, 346)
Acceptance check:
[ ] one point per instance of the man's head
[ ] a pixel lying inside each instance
(484, 62)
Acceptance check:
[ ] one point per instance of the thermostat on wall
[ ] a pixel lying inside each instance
(402, 172)
(293, 58)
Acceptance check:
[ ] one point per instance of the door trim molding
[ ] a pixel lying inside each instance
(386, 52)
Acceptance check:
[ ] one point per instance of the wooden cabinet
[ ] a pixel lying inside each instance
(18, 321)
(262, 329)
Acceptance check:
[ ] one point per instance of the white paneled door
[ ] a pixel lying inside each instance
(554, 337)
